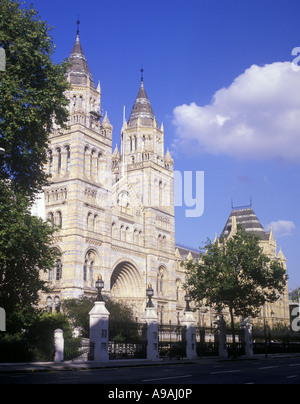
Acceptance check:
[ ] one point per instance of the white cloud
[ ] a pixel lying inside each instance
(256, 117)
(281, 228)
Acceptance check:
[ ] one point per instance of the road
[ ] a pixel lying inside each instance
(263, 371)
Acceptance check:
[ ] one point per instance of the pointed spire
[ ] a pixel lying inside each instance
(280, 255)
(177, 254)
(78, 23)
(116, 153)
(79, 72)
(142, 111)
(106, 123)
(168, 158)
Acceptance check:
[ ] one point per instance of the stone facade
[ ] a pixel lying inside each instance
(114, 208)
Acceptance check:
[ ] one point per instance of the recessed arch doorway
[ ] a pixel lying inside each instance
(126, 285)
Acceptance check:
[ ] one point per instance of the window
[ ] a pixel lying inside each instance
(58, 160)
(51, 274)
(50, 156)
(90, 221)
(85, 270)
(160, 193)
(51, 218)
(68, 155)
(58, 219)
(49, 304)
(58, 270)
(57, 304)
(160, 281)
(88, 267)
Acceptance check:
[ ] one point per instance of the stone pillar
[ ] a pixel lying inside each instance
(150, 317)
(99, 317)
(222, 337)
(189, 321)
(2, 319)
(59, 345)
(247, 327)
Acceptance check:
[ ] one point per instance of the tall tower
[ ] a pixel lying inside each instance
(144, 176)
(78, 198)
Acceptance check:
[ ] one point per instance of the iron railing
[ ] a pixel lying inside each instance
(171, 341)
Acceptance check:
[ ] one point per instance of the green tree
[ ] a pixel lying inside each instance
(234, 274)
(77, 310)
(32, 101)
(25, 250)
(31, 96)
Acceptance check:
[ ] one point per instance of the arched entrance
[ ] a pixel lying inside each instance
(126, 284)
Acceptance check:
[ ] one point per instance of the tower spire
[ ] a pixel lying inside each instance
(142, 74)
(78, 23)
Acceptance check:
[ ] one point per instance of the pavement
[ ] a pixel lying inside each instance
(22, 367)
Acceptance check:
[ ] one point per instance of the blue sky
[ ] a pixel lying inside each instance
(220, 76)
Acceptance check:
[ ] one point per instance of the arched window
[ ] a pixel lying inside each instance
(88, 267)
(85, 159)
(58, 219)
(68, 157)
(96, 223)
(49, 304)
(51, 218)
(58, 270)
(91, 162)
(50, 157)
(178, 290)
(85, 270)
(89, 221)
(122, 233)
(160, 193)
(159, 242)
(57, 304)
(160, 280)
(58, 160)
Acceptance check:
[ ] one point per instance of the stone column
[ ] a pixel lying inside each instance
(189, 321)
(247, 327)
(222, 337)
(150, 317)
(2, 319)
(99, 317)
(59, 345)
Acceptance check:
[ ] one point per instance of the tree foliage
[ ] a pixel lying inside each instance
(32, 101)
(234, 274)
(25, 250)
(31, 95)
(77, 310)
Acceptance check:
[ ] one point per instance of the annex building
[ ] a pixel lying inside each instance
(115, 208)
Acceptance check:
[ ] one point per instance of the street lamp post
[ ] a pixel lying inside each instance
(99, 286)
(150, 294)
(187, 299)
